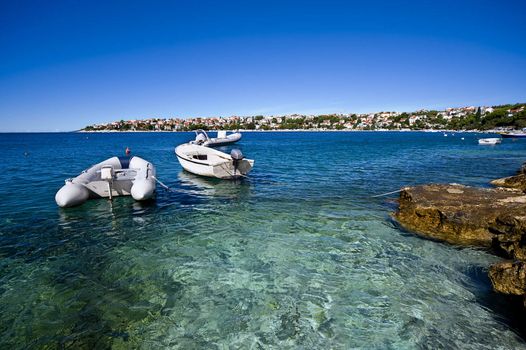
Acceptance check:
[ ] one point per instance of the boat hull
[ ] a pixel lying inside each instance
(490, 141)
(514, 135)
(223, 169)
(217, 142)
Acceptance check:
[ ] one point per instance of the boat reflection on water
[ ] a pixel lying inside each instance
(104, 212)
(212, 187)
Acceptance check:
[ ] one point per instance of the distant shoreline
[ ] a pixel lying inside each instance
(502, 118)
(297, 130)
(253, 131)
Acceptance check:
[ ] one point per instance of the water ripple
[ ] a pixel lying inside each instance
(297, 256)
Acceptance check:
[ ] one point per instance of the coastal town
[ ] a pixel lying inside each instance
(504, 117)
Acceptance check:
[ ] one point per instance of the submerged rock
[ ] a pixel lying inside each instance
(461, 214)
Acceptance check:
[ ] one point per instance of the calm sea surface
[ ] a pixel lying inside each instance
(297, 256)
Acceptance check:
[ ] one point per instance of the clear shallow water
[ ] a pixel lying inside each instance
(297, 256)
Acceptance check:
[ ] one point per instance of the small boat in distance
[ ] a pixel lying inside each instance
(116, 176)
(514, 135)
(490, 141)
(205, 161)
(222, 138)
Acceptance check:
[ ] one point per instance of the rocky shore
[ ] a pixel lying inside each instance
(494, 218)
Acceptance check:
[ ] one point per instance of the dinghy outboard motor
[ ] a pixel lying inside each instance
(106, 174)
(200, 139)
(237, 156)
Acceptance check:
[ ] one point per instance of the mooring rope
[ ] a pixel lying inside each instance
(163, 185)
(387, 193)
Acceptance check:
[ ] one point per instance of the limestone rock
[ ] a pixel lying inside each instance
(509, 277)
(517, 181)
(475, 216)
(463, 215)
(510, 236)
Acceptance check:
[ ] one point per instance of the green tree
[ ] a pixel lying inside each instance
(478, 115)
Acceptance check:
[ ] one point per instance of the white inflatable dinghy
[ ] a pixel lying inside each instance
(117, 176)
(222, 138)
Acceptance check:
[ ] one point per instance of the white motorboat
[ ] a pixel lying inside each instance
(222, 138)
(514, 135)
(205, 161)
(490, 141)
(116, 176)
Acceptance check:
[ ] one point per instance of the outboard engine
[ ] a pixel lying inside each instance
(237, 156)
(200, 139)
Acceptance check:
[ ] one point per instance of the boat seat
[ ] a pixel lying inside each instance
(106, 173)
(200, 156)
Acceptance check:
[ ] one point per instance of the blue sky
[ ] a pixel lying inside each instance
(64, 65)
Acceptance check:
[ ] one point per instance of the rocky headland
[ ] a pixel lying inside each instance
(494, 218)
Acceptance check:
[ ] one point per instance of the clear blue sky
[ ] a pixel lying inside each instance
(67, 64)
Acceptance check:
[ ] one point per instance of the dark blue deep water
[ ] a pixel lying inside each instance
(299, 255)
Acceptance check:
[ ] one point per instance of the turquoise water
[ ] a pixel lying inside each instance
(297, 256)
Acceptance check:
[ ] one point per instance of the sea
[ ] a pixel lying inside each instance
(302, 254)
